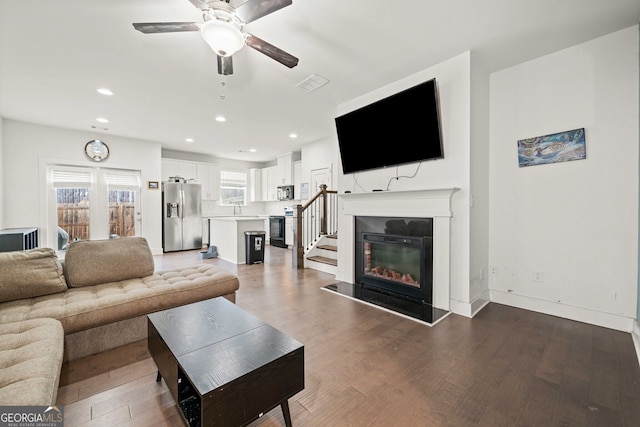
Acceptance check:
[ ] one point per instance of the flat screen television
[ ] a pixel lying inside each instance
(401, 128)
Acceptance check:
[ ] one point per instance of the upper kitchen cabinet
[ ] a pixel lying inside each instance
(256, 194)
(181, 168)
(264, 184)
(208, 175)
(205, 174)
(270, 183)
(265, 181)
(284, 169)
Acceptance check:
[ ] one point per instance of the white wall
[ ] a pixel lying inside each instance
(2, 171)
(453, 78)
(576, 222)
(320, 155)
(27, 146)
(479, 189)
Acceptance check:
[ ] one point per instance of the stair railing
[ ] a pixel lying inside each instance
(317, 218)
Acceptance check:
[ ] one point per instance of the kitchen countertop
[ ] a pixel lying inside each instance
(237, 218)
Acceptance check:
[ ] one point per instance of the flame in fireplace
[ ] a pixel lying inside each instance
(388, 274)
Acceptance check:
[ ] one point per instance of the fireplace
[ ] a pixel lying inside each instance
(398, 264)
(421, 213)
(394, 255)
(394, 266)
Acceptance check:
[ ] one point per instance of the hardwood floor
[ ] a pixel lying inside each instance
(367, 367)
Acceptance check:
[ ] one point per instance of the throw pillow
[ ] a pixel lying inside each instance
(30, 273)
(91, 262)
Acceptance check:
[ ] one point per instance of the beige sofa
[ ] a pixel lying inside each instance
(97, 299)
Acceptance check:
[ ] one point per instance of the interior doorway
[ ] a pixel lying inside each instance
(319, 177)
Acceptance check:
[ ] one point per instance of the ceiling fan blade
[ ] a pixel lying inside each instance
(271, 51)
(225, 65)
(165, 27)
(254, 9)
(200, 4)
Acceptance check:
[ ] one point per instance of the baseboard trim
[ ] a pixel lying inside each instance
(580, 314)
(470, 309)
(635, 335)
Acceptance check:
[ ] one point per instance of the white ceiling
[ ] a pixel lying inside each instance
(55, 54)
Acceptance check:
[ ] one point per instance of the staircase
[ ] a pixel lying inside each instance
(324, 255)
(315, 232)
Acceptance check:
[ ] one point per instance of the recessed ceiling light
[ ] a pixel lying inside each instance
(102, 120)
(189, 139)
(104, 91)
(253, 150)
(293, 135)
(220, 119)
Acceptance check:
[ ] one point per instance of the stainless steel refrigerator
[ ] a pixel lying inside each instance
(182, 216)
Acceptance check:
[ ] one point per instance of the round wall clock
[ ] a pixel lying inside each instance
(96, 150)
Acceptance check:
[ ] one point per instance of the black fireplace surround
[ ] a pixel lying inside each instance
(395, 255)
(394, 266)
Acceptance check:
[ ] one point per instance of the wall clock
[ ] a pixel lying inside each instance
(96, 150)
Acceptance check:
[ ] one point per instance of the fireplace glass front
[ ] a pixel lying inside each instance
(396, 264)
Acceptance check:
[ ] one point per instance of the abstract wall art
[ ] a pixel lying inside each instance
(552, 148)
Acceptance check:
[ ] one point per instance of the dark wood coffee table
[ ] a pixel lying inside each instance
(222, 365)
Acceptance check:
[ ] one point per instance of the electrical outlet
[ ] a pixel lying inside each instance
(538, 276)
(493, 271)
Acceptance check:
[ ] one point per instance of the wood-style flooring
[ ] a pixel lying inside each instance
(367, 367)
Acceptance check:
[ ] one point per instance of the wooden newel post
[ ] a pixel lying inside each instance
(297, 260)
(323, 220)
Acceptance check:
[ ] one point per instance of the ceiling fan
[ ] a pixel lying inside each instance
(223, 29)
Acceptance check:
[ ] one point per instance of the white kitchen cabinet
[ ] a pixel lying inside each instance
(181, 168)
(267, 229)
(297, 178)
(208, 175)
(270, 185)
(284, 168)
(256, 194)
(265, 182)
(288, 231)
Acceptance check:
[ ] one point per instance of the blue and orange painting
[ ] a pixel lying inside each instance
(553, 148)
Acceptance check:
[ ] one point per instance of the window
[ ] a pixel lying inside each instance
(233, 188)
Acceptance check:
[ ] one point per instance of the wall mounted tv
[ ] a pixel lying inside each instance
(403, 128)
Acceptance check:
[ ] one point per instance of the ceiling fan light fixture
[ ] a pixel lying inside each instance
(225, 38)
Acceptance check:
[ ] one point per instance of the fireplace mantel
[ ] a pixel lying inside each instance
(434, 193)
(437, 202)
(430, 203)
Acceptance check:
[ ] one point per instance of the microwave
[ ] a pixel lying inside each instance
(285, 192)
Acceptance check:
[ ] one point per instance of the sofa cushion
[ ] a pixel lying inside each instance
(30, 273)
(90, 306)
(91, 262)
(30, 362)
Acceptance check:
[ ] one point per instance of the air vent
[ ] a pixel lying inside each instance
(312, 83)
